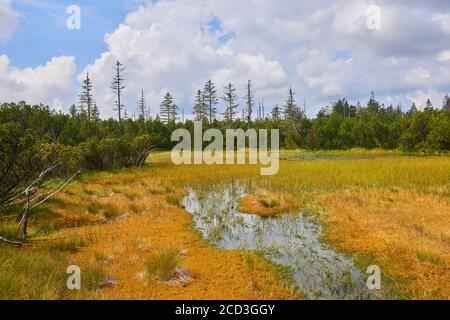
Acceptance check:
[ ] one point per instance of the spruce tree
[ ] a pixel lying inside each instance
(250, 101)
(200, 107)
(230, 98)
(118, 86)
(86, 98)
(210, 94)
(446, 105)
(292, 110)
(276, 113)
(169, 110)
(141, 106)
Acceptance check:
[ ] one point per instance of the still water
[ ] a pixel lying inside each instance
(290, 240)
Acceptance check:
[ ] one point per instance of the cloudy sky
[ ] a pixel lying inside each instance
(324, 49)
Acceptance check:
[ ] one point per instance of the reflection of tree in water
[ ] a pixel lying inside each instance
(289, 240)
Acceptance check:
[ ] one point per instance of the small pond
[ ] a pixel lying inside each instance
(290, 240)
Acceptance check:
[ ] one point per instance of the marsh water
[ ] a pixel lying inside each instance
(290, 240)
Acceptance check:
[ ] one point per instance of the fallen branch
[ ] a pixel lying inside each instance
(16, 243)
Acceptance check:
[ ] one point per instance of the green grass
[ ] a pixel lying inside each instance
(430, 257)
(136, 208)
(95, 207)
(111, 212)
(26, 275)
(72, 242)
(162, 266)
(92, 277)
(46, 228)
(8, 231)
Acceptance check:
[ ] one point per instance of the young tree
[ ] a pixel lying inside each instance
(413, 109)
(118, 86)
(250, 101)
(73, 111)
(373, 105)
(86, 98)
(446, 105)
(169, 110)
(95, 116)
(276, 113)
(200, 107)
(230, 98)
(141, 105)
(429, 105)
(291, 110)
(210, 94)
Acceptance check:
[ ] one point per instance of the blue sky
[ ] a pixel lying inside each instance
(323, 49)
(42, 33)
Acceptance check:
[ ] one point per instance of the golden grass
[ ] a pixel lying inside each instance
(390, 212)
(264, 203)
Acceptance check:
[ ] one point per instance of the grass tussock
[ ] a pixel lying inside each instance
(162, 266)
(264, 203)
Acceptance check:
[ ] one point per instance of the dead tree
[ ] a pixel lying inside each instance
(32, 198)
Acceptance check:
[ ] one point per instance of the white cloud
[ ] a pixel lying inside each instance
(49, 84)
(323, 49)
(8, 20)
(444, 55)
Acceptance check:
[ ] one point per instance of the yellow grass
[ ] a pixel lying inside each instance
(389, 212)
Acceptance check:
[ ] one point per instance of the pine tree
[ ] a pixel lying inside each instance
(413, 109)
(429, 105)
(200, 107)
(446, 105)
(291, 110)
(210, 94)
(95, 114)
(276, 113)
(250, 100)
(86, 98)
(73, 111)
(230, 98)
(118, 86)
(169, 110)
(141, 106)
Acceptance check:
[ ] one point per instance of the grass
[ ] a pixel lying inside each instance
(92, 277)
(95, 207)
(430, 257)
(162, 266)
(377, 211)
(111, 212)
(46, 228)
(8, 231)
(31, 275)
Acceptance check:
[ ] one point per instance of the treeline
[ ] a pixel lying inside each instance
(34, 137)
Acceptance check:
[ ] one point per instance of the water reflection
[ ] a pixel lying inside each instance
(289, 240)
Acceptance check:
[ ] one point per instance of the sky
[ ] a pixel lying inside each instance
(324, 49)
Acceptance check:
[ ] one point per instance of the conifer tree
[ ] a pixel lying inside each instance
(250, 101)
(86, 98)
(169, 110)
(200, 107)
(118, 85)
(230, 98)
(141, 106)
(276, 113)
(292, 110)
(446, 105)
(210, 94)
